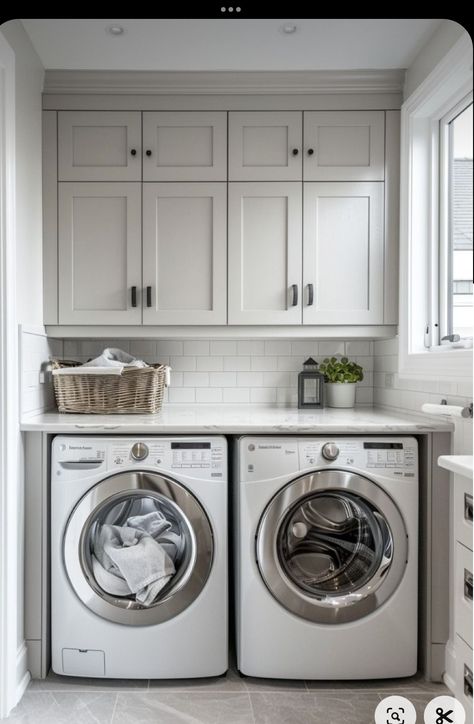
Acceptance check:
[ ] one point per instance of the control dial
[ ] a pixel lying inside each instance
(330, 451)
(139, 451)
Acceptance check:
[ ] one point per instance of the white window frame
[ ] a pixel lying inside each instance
(420, 357)
(445, 189)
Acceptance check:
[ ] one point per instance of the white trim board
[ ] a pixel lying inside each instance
(198, 82)
(13, 671)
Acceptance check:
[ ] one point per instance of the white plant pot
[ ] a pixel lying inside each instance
(340, 394)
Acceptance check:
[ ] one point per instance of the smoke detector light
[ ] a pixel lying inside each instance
(115, 30)
(289, 28)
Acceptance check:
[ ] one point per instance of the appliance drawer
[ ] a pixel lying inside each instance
(463, 593)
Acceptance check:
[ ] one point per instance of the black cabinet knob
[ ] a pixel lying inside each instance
(148, 152)
(310, 151)
(295, 152)
(133, 152)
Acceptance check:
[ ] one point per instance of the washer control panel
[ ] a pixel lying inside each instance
(204, 458)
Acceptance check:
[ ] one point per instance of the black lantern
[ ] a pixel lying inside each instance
(310, 385)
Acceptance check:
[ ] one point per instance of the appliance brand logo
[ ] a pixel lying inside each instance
(80, 447)
(269, 447)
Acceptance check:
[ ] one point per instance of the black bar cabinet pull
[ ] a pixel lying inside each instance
(294, 289)
(467, 584)
(134, 296)
(468, 506)
(310, 295)
(467, 681)
(148, 296)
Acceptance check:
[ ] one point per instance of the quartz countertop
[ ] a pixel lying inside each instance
(239, 419)
(459, 464)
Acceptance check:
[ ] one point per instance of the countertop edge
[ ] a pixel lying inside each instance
(454, 464)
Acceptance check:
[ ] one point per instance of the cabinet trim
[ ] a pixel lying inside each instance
(50, 218)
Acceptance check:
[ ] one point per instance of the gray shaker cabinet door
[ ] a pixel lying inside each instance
(99, 146)
(99, 253)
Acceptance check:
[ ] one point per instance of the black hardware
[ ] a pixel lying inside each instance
(133, 151)
(310, 385)
(148, 152)
(134, 296)
(310, 295)
(468, 507)
(467, 681)
(294, 289)
(310, 151)
(148, 296)
(295, 152)
(467, 584)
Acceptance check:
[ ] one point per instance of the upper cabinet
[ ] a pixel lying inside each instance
(99, 146)
(265, 217)
(185, 146)
(265, 146)
(344, 146)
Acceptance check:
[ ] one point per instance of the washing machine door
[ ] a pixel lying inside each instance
(100, 528)
(332, 546)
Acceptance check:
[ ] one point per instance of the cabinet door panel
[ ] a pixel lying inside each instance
(184, 253)
(346, 145)
(264, 253)
(99, 253)
(184, 146)
(261, 146)
(99, 146)
(343, 253)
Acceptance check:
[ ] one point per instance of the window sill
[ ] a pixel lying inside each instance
(438, 363)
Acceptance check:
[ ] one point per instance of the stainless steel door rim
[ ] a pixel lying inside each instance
(187, 583)
(379, 516)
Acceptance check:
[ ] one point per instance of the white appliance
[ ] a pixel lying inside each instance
(326, 557)
(98, 481)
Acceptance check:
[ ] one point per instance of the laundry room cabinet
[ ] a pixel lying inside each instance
(215, 217)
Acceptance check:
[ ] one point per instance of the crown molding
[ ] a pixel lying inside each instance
(223, 82)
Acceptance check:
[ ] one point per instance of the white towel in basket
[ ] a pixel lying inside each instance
(112, 361)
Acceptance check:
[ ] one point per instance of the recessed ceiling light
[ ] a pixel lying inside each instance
(115, 30)
(289, 28)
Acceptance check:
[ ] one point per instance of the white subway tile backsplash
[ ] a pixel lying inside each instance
(196, 347)
(251, 347)
(183, 364)
(264, 364)
(170, 347)
(195, 379)
(304, 348)
(249, 379)
(181, 394)
(223, 347)
(290, 364)
(277, 347)
(236, 364)
(260, 395)
(287, 396)
(210, 364)
(330, 349)
(141, 348)
(276, 379)
(358, 348)
(222, 379)
(208, 394)
(236, 395)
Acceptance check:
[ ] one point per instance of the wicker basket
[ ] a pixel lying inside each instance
(135, 390)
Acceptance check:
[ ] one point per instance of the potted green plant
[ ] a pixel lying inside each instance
(340, 376)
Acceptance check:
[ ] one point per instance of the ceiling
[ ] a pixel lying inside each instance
(228, 44)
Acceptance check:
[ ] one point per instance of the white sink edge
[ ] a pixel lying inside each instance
(459, 464)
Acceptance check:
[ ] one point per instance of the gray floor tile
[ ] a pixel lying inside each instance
(414, 684)
(53, 682)
(188, 707)
(62, 708)
(310, 708)
(252, 683)
(231, 682)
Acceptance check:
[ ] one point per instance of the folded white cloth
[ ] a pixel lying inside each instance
(128, 560)
(112, 361)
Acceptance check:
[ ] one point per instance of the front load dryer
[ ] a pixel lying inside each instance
(326, 557)
(174, 489)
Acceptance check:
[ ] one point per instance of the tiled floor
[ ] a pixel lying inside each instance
(225, 700)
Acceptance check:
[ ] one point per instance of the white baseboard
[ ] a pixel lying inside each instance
(23, 676)
(449, 677)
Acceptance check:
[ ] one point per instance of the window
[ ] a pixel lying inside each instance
(436, 222)
(456, 224)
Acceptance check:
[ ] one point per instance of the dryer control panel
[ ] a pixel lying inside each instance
(269, 457)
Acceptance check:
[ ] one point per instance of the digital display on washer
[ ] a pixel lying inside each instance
(383, 446)
(190, 445)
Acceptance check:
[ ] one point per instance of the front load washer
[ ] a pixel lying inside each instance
(326, 557)
(102, 482)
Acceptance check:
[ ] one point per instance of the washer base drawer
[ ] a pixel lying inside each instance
(463, 676)
(83, 662)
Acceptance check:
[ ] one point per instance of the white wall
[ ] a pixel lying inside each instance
(442, 40)
(29, 74)
(28, 237)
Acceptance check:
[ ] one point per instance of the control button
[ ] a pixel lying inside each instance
(330, 451)
(139, 451)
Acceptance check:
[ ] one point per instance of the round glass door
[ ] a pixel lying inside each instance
(138, 548)
(332, 546)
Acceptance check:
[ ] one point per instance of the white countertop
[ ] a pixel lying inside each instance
(459, 464)
(239, 419)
